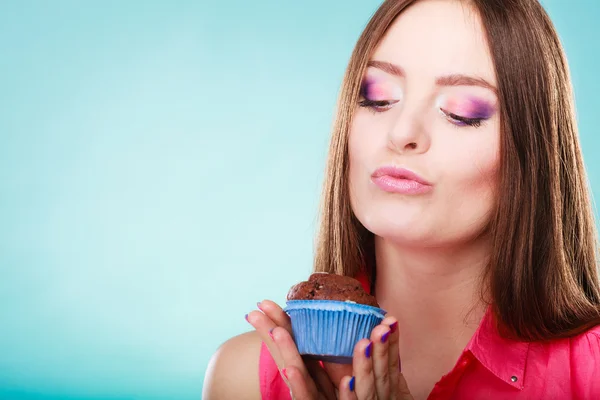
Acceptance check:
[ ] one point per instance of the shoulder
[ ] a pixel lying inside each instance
(567, 368)
(232, 372)
(587, 347)
(584, 361)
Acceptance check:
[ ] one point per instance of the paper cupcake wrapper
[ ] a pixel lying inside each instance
(329, 329)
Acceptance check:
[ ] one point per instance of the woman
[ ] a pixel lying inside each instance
(456, 187)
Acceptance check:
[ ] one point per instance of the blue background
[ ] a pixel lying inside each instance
(160, 171)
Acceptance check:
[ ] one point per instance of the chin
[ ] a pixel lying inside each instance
(400, 228)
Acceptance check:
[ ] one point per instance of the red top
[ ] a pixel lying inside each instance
(491, 367)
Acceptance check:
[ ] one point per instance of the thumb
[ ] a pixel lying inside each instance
(403, 387)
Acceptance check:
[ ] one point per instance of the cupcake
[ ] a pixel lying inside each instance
(330, 314)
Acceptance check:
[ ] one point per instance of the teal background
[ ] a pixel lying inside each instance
(160, 167)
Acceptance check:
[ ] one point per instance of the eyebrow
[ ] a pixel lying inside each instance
(447, 80)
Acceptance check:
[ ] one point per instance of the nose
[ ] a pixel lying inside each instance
(408, 132)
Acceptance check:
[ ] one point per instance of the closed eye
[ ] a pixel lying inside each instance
(462, 121)
(377, 105)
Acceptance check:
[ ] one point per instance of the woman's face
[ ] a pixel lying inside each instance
(428, 105)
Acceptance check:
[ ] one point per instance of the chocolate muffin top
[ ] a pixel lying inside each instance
(323, 286)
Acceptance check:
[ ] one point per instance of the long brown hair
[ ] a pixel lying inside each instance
(543, 271)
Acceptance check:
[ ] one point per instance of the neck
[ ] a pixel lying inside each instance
(435, 293)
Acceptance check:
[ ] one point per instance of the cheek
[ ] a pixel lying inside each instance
(363, 148)
(473, 179)
(356, 159)
(479, 172)
(484, 165)
(362, 143)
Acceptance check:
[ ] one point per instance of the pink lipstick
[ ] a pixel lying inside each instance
(400, 180)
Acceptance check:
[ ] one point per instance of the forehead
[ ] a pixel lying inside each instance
(438, 37)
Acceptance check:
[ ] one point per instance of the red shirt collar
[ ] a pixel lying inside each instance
(504, 358)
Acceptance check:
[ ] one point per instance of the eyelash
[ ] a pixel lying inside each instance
(378, 106)
(474, 122)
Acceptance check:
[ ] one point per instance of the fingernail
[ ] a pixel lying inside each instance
(246, 317)
(384, 337)
(271, 334)
(368, 350)
(399, 365)
(351, 384)
(284, 373)
(258, 305)
(394, 327)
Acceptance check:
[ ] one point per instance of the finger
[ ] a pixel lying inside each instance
(362, 364)
(347, 388)
(276, 314)
(263, 325)
(321, 378)
(380, 338)
(404, 392)
(298, 384)
(291, 358)
(261, 322)
(393, 357)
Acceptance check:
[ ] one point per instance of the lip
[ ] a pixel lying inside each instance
(400, 180)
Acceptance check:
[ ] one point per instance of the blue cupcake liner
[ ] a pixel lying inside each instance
(329, 329)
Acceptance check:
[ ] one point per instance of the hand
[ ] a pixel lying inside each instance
(376, 367)
(374, 373)
(275, 329)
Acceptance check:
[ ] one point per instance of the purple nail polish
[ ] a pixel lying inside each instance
(351, 384)
(393, 327)
(384, 337)
(246, 317)
(271, 334)
(369, 349)
(258, 305)
(399, 365)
